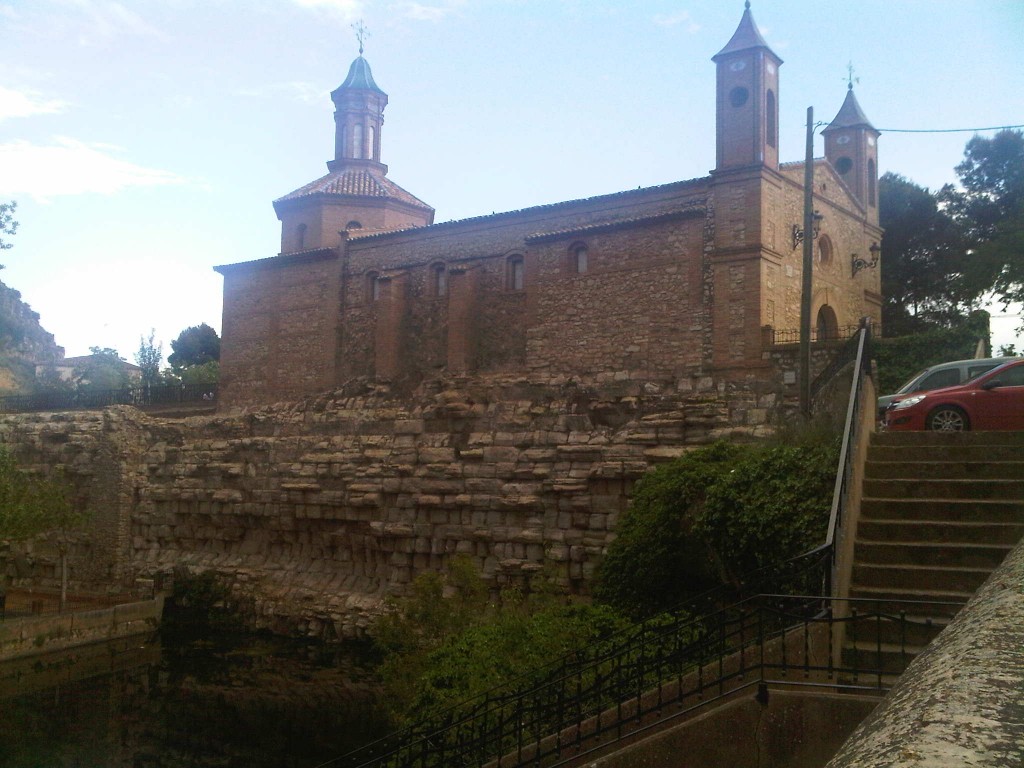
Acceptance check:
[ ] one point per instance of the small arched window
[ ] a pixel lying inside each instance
(825, 251)
(372, 286)
(357, 141)
(516, 273)
(439, 280)
(353, 225)
(372, 136)
(770, 127)
(579, 259)
(300, 237)
(871, 182)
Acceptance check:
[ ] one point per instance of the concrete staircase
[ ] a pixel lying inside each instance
(939, 513)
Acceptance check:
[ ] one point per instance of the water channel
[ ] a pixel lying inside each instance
(215, 699)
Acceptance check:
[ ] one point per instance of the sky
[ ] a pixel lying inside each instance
(144, 140)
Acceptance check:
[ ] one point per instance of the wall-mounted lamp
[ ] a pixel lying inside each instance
(798, 234)
(859, 263)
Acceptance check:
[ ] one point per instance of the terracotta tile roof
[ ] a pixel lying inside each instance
(357, 183)
(549, 206)
(696, 208)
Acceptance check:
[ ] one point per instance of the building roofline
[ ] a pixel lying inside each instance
(454, 223)
(280, 260)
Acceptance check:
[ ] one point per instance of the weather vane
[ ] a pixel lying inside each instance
(361, 34)
(850, 79)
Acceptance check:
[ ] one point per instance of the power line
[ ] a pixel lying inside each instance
(948, 130)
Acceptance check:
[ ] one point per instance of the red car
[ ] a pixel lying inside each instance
(994, 400)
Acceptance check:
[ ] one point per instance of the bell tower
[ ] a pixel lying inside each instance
(356, 196)
(358, 117)
(851, 145)
(747, 100)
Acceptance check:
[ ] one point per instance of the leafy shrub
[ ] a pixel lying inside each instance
(717, 513)
(656, 561)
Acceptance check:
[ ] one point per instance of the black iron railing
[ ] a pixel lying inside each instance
(662, 670)
(140, 397)
(792, 335)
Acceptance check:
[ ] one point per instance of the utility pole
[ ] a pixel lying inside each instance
(805, 292)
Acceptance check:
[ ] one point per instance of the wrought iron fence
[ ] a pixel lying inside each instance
(792, 335)
(140, 397)
(661, 670)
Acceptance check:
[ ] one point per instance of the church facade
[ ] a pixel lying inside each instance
(687, 280)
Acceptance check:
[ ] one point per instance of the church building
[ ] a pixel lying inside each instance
(688, 280)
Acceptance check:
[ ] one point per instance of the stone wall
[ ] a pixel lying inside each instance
(315, 511)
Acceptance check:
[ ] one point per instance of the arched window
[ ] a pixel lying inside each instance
(372, 286)
(300, 237)
(353, 225)
(770, 127)
(579, 259)
(827, 326)
(871, 182)
(370, 145)
(438, 280)
(516, 273)
(825, 251)
(357, 141)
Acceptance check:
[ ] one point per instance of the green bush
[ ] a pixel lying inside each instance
(717, 513)
(656, 560)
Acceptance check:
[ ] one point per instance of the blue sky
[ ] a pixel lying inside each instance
(145, 140)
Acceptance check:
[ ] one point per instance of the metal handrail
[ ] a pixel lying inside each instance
(661, 674)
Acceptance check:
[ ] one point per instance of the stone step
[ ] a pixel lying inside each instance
(948, 470)
(882, 453)
(891, 624)
(935, 603)
(911, 488)
(890, 659)
(951, 531)
(948, 439)
(928, 554)
(912, 579)
(943, 510)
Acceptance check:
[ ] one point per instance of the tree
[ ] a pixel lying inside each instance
(921, 241)
(196, 345)
(990, 207)
(8, 226)
(148, 359)
(32, 504)
(104, 370)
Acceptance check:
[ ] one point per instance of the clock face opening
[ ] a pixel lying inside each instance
(738, 96)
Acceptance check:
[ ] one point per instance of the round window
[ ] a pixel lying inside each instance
(738, 96)
(843, 165)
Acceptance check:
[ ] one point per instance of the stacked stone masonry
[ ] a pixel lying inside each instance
(315, 511)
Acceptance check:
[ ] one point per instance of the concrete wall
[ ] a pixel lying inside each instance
(57, 632)
(961, 701)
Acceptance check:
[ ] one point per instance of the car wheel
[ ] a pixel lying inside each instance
(948, 418)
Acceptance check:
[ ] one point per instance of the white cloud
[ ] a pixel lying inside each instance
(348, 9)
(675, 19)
(106, 20)
(25, 104)
(424, 12)
(297, 90)
(71, 167)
